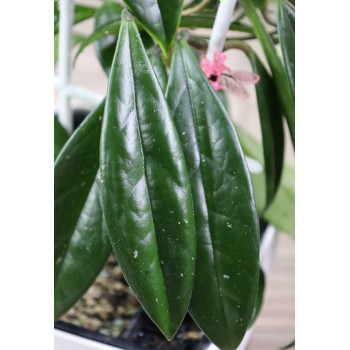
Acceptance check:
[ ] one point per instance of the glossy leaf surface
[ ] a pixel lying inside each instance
(109, 12)
(88, 250)
(281, 212)
(160, 70)
(286, 33)
(271, 127)
(60, 136)
(160, 18)
(279, 74)
(81, 243)
(145, 187)
(227, 272)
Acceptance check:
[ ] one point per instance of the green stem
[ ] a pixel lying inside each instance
(237, 44)
(194, 9)
(265, 14)
(207, 21)
(277, 69)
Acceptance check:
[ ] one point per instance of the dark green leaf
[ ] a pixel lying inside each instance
(60, 136)
(271, 127)
(259, 297)
(279, 74)
(88, 250)
(160, 18)
(290, 345)
(286, 33)
(109, 12)
(160, 70)
(145, 187)
(227, 274)
(81, 243)
(281, 212)
(81, 13)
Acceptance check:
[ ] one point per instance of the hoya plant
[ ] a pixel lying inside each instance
(157, 172)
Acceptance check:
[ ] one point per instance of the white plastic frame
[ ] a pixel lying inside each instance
(62, 80)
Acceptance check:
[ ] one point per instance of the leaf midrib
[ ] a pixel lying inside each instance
(145, 173)
(205, 196)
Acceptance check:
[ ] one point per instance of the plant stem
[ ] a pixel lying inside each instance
(207, 21)
(194, 9)
(237, 44)
(267, 18)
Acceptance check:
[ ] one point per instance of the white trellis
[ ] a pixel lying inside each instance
(63, 84)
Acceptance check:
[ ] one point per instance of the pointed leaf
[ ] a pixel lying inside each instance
(88, 250)
(279, 74)
(108, 13)
(160, 18)
(286, 33)
(145, 187)
(60, 136)
(227, 273)
(271, 127)
(81, 244)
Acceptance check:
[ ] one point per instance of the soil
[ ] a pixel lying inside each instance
(110, 308)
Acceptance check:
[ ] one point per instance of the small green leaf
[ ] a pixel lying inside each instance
(109, 12)
(227, 273)
(259, 298)
(271, 127)
(286, 33)
(279, 74)
(145, 187)
(101, 32)
(160, 18)
(81, 243)
(81, 13)
(60, 136)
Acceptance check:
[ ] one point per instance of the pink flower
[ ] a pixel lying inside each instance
(222, 77)
(213, 69)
